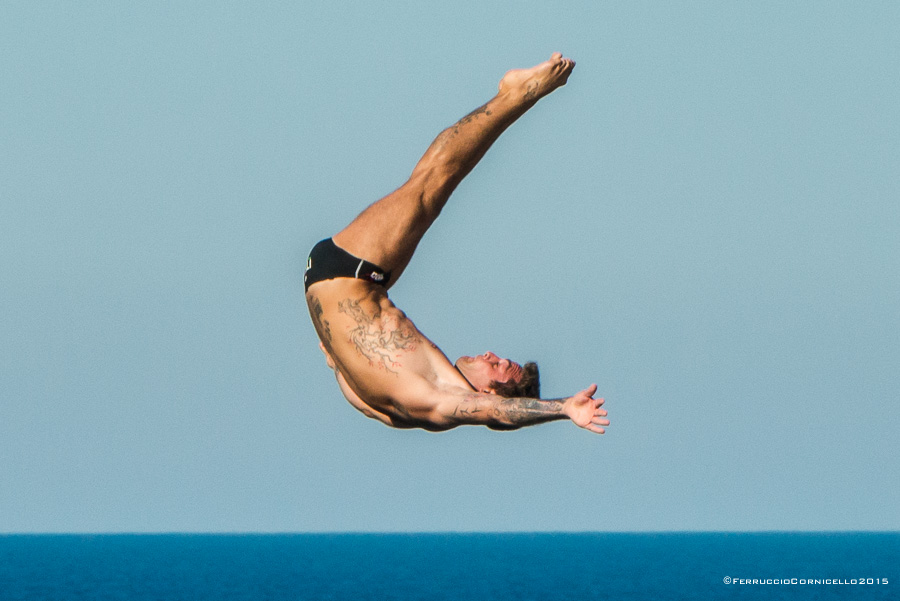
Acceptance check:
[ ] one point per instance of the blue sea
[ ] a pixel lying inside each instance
(405, 567)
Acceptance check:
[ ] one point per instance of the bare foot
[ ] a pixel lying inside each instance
(538, 81)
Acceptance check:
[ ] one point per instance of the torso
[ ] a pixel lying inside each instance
(379, 351)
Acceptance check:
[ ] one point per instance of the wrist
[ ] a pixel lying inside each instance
(566, 407)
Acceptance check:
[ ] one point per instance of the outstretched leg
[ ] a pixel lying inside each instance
(388, 231)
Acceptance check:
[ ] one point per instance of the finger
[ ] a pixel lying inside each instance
(595, 429)
(600, 421)
(598, 402)
(590, 390)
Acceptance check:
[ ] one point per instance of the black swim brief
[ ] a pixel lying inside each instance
(327, 261)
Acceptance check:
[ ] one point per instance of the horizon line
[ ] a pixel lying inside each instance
(419, 532)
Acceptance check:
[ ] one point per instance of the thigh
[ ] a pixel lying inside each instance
(388, 231)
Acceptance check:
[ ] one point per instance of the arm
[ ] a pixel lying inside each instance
(500, 413)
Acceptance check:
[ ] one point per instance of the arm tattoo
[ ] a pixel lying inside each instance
(323, 328)
(379, 345)
(509, 411)
(522, 411)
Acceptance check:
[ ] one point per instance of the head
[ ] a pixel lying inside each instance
(489, 373)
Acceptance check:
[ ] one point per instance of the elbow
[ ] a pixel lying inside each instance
(430, 419)
(437, 422)
(501, 427)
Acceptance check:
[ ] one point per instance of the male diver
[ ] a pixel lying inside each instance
(384, 365)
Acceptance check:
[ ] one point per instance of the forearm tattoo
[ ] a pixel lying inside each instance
(515, 411)
(523, 411)
(380, 345)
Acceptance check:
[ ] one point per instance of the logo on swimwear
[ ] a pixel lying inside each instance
(377, 276)
(308, 263)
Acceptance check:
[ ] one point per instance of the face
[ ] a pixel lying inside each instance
(480, 371)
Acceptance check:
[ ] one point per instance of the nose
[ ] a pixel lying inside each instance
(489, 355)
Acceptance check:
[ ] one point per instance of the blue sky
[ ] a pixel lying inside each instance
(704, 222)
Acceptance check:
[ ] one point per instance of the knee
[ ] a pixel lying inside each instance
(433, 186)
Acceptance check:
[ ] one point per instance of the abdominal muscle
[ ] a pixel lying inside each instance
(376, 348)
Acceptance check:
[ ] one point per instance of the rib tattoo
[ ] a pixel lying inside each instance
(379, 345)
(323, 328)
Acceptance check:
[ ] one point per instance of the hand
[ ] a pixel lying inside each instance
(585, 411)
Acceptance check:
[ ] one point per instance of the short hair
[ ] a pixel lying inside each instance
(529, 386)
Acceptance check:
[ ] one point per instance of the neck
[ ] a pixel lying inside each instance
(465, 378)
